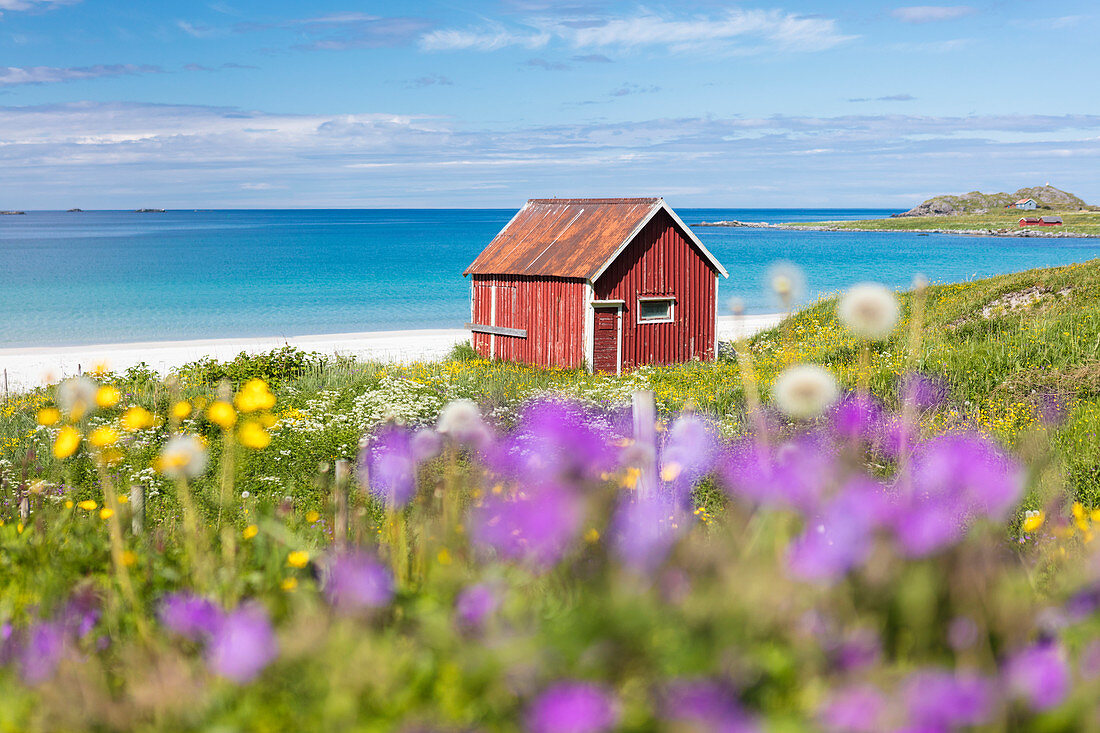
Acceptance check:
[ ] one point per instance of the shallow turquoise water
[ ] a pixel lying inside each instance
(103, 277)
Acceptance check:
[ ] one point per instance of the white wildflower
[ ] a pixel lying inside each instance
(920, 283)
(869, 310)
(787, 281)
(76, 395)
(461, 421)
(805, 391)
(184, 456)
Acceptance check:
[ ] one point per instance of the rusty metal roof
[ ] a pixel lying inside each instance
(570, 237)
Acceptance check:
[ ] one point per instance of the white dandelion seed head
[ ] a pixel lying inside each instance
(920, 282)
(461, 421)
(76, 395)
(184, 456)
(869, 310)
(787, 281)
(736, 305)
(805, 391)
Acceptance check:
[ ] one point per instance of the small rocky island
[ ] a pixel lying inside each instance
(12, 213)
(1020, 214)
(1045, 197)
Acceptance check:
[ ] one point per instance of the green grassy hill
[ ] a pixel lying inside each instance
(1004, 345)
(998, 221)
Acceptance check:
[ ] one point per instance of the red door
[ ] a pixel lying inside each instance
(605, 341)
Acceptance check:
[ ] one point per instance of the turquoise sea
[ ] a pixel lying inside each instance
(115, 276)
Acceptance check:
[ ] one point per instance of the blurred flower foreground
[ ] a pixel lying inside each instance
(572, 570)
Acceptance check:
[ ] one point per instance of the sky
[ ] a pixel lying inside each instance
(462, 103)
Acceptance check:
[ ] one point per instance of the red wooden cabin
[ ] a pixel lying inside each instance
(608, 283)
(1041, 221)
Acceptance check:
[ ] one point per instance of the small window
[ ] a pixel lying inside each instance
(655, 310)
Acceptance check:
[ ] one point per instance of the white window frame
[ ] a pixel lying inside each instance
(671, 309)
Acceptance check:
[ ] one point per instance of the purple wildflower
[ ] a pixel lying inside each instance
(1089, 661)
(858, 417)
(856, 709)
(475, 604)
(942, 700)
(42, 652)
(536, 525)
(839, 538)
(922, 391)
(390, 466)
(554, 442)
(688, 454)
(190, 616)
(356, 580)
(795, 474)
(955, 479)
(962, 633)
(243, 645)
(81, 612)
(644, 530)
(425, 444)
(858, 649)
(705, 705)
(573, 707)
(1053, 409)
(1040, 675)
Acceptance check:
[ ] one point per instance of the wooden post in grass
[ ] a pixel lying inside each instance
(340, 525)
(645, 439)
(137, 508)
(5, 384)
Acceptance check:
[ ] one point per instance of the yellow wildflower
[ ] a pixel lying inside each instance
(289, 584)
(670, 471)
(68, 503)
(88, 505)
(252, 435)
(103, 436)
(444, 557)
(128, 558)
(312, 516)
(48, 416)
(181, 410)
(68, 440)
(298, 559)
(136, 418)
(107, 396)
(123, 499)
(255, 396)
(106, 513)
(19, 528)
(250, 531)
(1034, 521)
(592, 536)
(221, 413)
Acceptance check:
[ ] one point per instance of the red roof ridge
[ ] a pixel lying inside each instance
(625, 200)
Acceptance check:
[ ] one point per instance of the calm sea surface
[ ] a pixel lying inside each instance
(110, 276)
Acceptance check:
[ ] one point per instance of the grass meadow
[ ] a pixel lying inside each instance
(297, 542)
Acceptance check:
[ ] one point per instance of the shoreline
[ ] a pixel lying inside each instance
(1025, 233)
(27, 367)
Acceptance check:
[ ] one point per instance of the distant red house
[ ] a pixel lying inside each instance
(1041, 221)
(611, 283)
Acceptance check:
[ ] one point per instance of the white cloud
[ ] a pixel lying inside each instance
(486, 39)
(739, 31)
(15, 75)
(108, 155)
(33, 4)
(932, 13)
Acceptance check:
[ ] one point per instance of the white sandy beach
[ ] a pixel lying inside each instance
(29, 367)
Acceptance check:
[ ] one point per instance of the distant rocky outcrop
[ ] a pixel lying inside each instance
(977, 202)
(11, 213)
